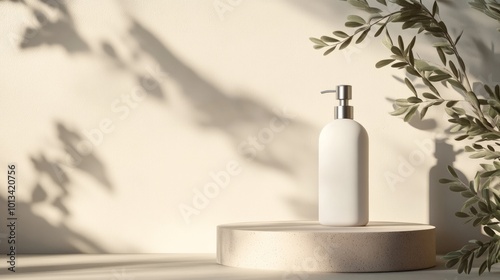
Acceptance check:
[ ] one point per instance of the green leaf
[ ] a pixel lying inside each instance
(467, 194)
(445, 181)
(441, 54)
(318, 47)
(396, 51)
(452, 171)
(441, 44)
(414, 99)
(423, 65)
(401, 44)
(439, 77)
(483, 267)
(387, 40)
(410, 113)
(384, 62)
(458, 37)
(483, 207)
(399, 64)
(318, 41)
(408, 24)
(353, 24)
(412, 88)
(451, 103)
(481, 251)
(379, 31)
(477, 222)
(340, 34)
(362, 36)
(453, 68)
(382, 2)
(489, 231)
(468, 204)
(469, 265)
(399, 111)
(478, 155)
(443, 27)
(451, 263)
(402, 102)
(462, 266)
(329, 50)
(431, 87)
(429, 95)
(372, 10)
(423, 112)
(462, 215)
(410, 69)
(410, 46)
(456, 84)
(472, 98)
(457, 188)
(461, 62)
(411, 58)
(329, 39)
(435, 9)
(358, 3)
(489, 91)
(355, 18)
(346, 43)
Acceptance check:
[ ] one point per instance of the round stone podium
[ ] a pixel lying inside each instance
(309, 246)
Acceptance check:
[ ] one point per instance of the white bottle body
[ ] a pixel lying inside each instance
(343, 174)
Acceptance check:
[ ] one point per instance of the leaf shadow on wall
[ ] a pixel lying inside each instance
(487, 73)
(54, 187)
(54, 183)
(35, 235)
(451, 232)
(148, 80)
(291, 150)
(60, 31)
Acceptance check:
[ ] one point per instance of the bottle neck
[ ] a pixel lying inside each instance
(344, 112)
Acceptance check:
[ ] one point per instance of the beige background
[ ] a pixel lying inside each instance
(119, 113)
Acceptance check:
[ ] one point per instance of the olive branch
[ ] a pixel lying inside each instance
(472, 117)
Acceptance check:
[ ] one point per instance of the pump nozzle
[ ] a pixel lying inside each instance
(344, 93)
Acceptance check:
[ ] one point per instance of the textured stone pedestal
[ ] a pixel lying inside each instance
(309, 246)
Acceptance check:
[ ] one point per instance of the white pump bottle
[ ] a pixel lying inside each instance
(343, 167)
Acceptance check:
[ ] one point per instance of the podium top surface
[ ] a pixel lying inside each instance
(315, 226)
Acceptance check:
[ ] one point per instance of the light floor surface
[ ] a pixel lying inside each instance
(191, 266)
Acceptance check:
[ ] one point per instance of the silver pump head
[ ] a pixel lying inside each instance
(344, 93)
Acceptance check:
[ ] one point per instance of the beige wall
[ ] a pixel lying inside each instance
(118, 113)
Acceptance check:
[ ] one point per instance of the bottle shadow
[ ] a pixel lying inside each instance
(451, 232)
